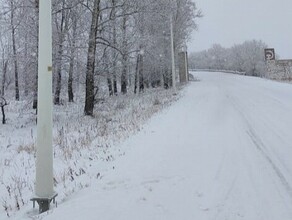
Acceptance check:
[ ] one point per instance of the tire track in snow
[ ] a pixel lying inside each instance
(260, 146)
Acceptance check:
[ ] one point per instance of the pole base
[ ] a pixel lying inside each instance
(44, 203)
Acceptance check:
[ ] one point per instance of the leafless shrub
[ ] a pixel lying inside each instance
(29, 148)
(156, 102)
(120, 106)
(6, 207)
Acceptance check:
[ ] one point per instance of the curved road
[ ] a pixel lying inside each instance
(223, 151)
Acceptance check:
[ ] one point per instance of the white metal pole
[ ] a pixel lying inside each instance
(44, 187)
(172, 53)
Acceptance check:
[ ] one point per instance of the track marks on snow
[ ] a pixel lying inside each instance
(262, 149)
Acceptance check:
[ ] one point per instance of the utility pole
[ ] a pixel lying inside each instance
(172, 52)
(44, 187)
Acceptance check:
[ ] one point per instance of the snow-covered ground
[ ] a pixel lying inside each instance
(83, 146)
(223, 151)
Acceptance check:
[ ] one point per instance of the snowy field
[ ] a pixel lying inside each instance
(84, 147)
(223, 151)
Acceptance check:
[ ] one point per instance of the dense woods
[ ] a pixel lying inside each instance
(100, 47)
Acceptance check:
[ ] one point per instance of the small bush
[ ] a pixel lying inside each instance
(29, 148)
(156, 102)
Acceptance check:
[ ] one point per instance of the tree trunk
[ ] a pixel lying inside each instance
(110, 86)
(59, 58)
(90, 67)
(106, 55)
(14, 51)
(108, 74)
(137, 74)
(3, 103)
(35, 93)
(3, 115)
(141, 52)
(26, 75)
(71, 67)
(124, 76)
(70, 80)
(125, 55)
(141, 75)
(5, 64)
(115, 86)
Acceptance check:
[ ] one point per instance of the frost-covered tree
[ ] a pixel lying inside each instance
(90, 66)
(115, 46)
(253, 57)
(247, 57)
(153, 24)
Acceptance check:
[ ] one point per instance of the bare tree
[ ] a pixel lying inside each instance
(128, 41)
(35, 87)
(114, 53)
(61, 29)
(72, 57)
(13, 36)
(125, 51)
(3, 103)
(90, 67)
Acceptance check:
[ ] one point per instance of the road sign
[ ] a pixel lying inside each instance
(269, 54)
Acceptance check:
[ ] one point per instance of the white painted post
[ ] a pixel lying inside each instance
(172, 53)
(44, 188)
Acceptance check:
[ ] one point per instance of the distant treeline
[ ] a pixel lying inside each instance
(247, 57)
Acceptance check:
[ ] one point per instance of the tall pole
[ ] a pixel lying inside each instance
(187, 66)
(172, 53)
(44, 187)
(185, 50)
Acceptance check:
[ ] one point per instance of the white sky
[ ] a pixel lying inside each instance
(233, 21)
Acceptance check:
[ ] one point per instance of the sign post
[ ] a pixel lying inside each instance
(44, 186)
(183, 65)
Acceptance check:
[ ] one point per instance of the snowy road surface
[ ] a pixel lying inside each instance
(223, 151)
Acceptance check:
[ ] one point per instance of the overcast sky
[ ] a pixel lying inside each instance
(233, 21)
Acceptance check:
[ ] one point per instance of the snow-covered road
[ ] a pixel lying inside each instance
(223, 151)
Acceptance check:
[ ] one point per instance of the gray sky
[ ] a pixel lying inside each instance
(233, 21)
